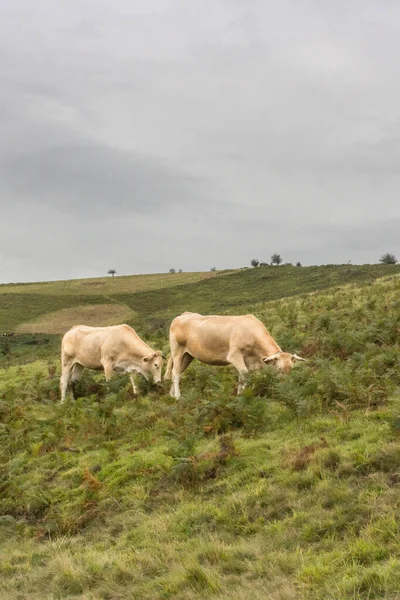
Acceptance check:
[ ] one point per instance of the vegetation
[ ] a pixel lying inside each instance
(388, 259)
(255, 262)
(112, 272)
(276, 259)
(24, 303)
(287, 491)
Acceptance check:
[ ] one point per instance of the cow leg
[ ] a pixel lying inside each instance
(108, 368)
(168, 370)
(181, 361)
(134, 387)
(238, 362)
(76, 372)
(66, 374)
(176, 375)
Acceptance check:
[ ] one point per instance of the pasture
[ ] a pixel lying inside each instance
(288, 491)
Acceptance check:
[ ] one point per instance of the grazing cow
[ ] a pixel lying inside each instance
(116, 348)
(241, 341)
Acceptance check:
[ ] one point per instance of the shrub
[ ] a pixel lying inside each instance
(276, 259)
(388, 259)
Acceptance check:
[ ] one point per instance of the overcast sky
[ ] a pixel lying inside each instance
(142, 135)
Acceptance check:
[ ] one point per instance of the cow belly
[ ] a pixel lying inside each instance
(209, 355)
(214, 362)
(89, 362)
(89, 357)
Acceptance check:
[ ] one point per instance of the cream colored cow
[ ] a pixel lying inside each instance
(116, 348)
(241, 341)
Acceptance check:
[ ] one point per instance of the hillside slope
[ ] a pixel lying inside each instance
(288, 491)
(155, 299)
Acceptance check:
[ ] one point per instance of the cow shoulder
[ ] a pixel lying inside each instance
(254, 322)
(121, 333)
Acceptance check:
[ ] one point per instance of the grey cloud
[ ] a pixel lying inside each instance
(154, 133)
(89, 178)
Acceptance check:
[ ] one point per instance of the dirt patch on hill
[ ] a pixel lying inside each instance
(97, 315)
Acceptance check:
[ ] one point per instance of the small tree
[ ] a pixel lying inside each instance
(172, 271)
(213, 269)
(298, 264)
(112, 272)
(180, 271)
(276, 259)
(388, 259)
(255, 262)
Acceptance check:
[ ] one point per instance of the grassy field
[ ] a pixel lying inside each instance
(108, 285)
(96, 315)
(289, 491)
(27, 305)
(157, 299)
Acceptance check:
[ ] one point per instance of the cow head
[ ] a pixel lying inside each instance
(282, 361)
(152, 365)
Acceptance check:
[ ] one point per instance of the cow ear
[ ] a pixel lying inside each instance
(147, 358)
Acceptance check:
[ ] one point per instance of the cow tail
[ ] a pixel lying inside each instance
(168, 371)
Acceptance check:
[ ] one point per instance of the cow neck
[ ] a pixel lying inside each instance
(139, 347)
(270, 347)
(142, 350)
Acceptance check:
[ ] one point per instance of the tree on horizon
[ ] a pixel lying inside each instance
(276, 259)
(388, 259)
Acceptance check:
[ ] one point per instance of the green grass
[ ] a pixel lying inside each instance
(107, 285)
(24, 303)
(17, 308)
(233, 292)
(216, 292)
(288, 491)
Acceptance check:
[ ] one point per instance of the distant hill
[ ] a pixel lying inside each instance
(149, 301)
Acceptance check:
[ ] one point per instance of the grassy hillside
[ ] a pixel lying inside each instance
(235, 291)
(288, 491)
(107, 285)
(29, 303)
(155, 299)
